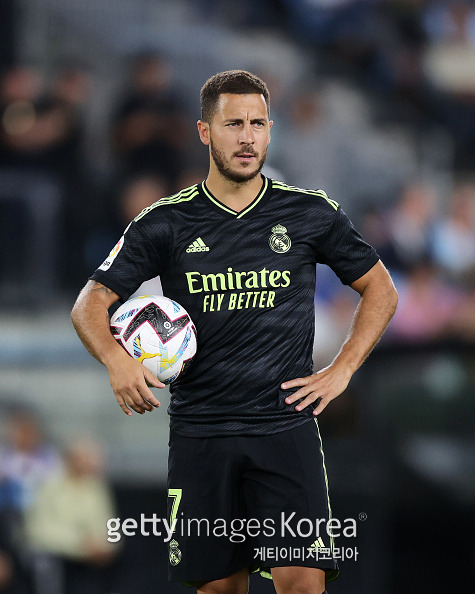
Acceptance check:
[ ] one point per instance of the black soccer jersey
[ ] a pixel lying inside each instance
(247, 279)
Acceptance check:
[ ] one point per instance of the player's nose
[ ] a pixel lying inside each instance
(246, 136)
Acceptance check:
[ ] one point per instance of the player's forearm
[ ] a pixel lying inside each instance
(90, 319)
(376, 308)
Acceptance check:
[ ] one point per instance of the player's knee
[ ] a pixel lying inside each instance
(234, 584)
(296, 580)
(223, 587)
(300, 588)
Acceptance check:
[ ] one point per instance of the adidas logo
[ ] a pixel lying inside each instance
(318, 544)
(197, 246)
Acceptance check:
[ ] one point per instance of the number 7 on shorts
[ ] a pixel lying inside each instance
(176, 494)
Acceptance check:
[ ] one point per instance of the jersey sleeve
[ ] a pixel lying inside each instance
(133, 260)
(343, 249)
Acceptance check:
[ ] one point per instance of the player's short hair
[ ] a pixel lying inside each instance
(238, 82)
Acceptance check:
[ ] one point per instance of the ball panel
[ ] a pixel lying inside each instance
(158, 332)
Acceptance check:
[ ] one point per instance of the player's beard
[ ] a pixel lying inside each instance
(222, 164)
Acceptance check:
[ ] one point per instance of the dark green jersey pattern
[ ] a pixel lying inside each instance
(247, 280)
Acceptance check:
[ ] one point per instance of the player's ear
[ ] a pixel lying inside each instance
(203, 131)
(271, 123)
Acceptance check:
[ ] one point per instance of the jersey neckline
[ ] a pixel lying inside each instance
(212, 200)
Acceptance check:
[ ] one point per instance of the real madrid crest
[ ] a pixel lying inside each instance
(174, 553)
(279, 241)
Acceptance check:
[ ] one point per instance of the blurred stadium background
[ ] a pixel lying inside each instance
(374, 101)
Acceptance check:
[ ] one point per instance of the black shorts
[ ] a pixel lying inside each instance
(253, 502)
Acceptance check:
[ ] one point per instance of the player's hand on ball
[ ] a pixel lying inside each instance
(326, 384)
(129, 380)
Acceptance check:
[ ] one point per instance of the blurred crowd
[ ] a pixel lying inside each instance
(411, 61)
(417, 56)
(54, 507)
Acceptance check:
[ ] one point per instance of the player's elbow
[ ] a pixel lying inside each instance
(76, 313)
(388, 294)
(80, 306)
(391, 297)
(381, 291)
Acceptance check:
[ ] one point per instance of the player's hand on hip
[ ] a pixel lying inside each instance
(326, 384)
(129, 380)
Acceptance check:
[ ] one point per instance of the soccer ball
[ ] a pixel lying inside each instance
(158, 332)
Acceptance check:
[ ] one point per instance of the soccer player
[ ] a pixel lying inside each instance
(239, 252)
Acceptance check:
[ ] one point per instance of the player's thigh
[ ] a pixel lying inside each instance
(204, 497)
(285, 488)
(238, 583)
(298, 580)
(203, 481)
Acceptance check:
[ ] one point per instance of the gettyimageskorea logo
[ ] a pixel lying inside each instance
(315, 530)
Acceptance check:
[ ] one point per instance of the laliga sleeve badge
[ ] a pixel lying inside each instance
(175, 554)
(112, 256)
(279, 241)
